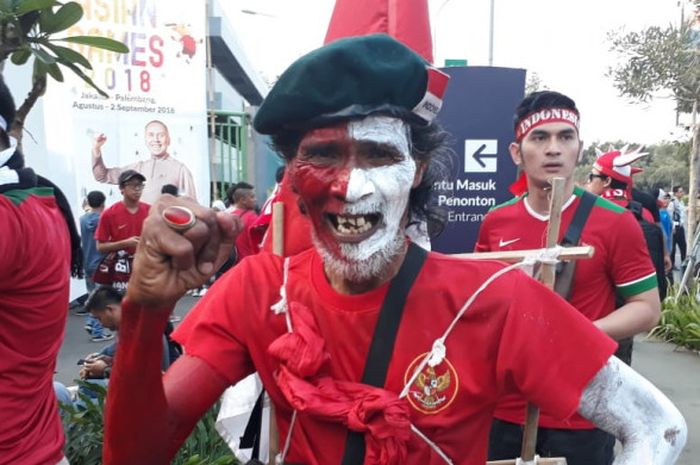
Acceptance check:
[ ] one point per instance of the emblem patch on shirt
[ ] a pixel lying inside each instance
(434, 388)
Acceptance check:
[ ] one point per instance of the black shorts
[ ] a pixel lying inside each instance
(579, 446)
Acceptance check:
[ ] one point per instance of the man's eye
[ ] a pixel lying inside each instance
(320, 153)
(382, 154)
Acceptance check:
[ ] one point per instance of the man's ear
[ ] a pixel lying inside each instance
(515, 153)
(420, 171)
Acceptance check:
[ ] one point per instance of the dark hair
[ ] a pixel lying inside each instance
(101, 297)
(617, 184)
(540, 100)
(429, 146)
(7, 111)
(279, 174)
(677, 188)
(95, 199)
(231, 191)
(169, 189)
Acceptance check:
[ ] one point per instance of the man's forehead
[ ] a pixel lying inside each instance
(156, 127)
(379, 129)
(555, 127)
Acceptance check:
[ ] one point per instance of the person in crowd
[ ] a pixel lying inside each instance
(244, 204)
(355, 122)
(41, 250)
(547, 144)
(88, 225)
(104, 304)
(160, 169)
(119, 230)
(663, 199)
(677, 209)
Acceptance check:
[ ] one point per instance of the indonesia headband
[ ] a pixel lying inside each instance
(547, 115)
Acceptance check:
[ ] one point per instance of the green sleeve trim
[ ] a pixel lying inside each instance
(637, 287)
(512, 201)
(601, 202)
(17, 196)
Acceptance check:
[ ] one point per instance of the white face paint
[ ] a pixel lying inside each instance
(373, 192)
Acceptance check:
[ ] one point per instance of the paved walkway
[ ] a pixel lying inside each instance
(675, 372)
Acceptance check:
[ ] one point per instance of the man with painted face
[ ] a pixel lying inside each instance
(547, 144)
(160, 169)
(361, 365)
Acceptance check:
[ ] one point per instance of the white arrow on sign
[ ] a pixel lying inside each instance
(480, 155)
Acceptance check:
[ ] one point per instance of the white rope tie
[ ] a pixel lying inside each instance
(439, 351)
(434, 446)
(279, 460)
(281, 306)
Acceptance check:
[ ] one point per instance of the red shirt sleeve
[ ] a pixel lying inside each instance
(215, 328)
(102, 232)
(551, 352)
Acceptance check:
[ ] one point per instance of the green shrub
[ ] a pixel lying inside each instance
(84, 429)
(680, 319)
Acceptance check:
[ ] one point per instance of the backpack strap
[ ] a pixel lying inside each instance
(573, 232)
(382, 345)
(565, 270)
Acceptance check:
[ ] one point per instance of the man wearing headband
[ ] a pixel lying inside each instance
(547, 145)
(358, 341)
(40, 250)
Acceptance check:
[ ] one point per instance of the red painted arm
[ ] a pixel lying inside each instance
(148, 416)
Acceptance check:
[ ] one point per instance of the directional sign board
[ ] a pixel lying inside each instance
(480, 155)
(478, 113)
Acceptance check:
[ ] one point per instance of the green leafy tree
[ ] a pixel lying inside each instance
(664, 62)
(35, 29)
(666, 165)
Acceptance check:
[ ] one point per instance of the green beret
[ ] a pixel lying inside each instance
(351, 78)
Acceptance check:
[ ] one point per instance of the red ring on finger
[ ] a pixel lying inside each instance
(179, 218)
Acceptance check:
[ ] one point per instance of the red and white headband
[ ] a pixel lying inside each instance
(547, 115)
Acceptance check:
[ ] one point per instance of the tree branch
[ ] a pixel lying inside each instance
(37, 91)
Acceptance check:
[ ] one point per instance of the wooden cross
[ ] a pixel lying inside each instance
(547, 277)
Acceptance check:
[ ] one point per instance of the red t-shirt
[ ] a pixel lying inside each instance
(34, 285)
(620, 263)
(244, 241)
(502, 344)
(117, 223)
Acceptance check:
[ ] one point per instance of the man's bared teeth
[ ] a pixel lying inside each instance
(352, 225)
(361, 221)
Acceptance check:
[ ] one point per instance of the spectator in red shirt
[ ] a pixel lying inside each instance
(119, 229)
(242, 198)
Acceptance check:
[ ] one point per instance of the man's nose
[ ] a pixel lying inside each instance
(553, 147)
(359, 185)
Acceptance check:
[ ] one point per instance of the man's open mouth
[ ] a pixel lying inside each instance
(354, 224)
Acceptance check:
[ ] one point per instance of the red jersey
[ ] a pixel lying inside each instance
(244, 242)
(503, 344)
(34, 285)
(117, 223)
(620, 264)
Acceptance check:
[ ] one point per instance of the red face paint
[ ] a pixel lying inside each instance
(320, 173)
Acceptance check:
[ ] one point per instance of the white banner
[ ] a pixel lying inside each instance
(154, 120)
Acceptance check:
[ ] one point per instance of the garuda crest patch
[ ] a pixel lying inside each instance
(434, 388)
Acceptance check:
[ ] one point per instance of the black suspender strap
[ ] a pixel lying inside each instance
(382, 345)
(573, 232)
